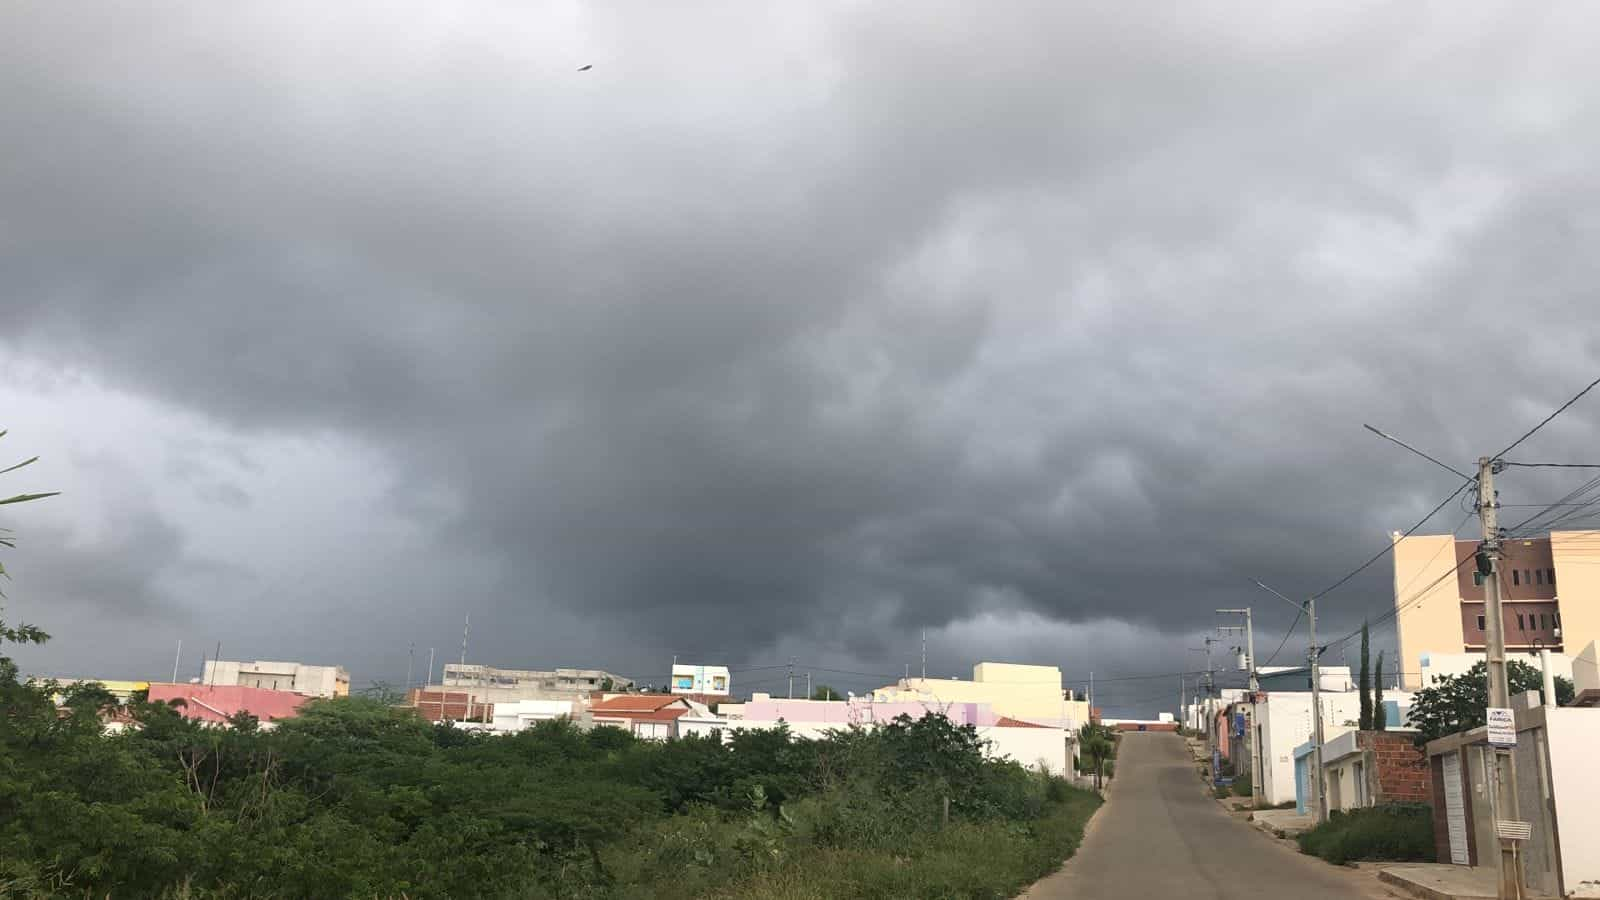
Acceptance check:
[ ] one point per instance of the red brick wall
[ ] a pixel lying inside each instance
(1402, 769)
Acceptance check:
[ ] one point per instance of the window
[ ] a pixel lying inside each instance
(1538, 576)
(1520, 626)
(1480, 623)
(1544, 620)
(1516, 576)
(1557, 618)
(1550, 578)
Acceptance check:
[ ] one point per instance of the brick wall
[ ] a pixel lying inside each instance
(457, 706)
(1399, 768)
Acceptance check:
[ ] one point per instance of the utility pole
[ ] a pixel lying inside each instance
(1314, 656)
(176, 660)
(1183, 703)
(924, 654)
(791, 678)
(411, 658)
(808, 685)
(466, 625)
(1255, 686)
(1505, 781)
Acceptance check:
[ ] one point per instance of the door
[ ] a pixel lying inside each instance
(1455, 814)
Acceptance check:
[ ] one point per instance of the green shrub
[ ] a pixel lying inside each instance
(1242, 786)
(1391, 832)
(1220, 791)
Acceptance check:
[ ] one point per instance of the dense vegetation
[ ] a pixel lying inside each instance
(1400, 831)
(359, 799)
(1457, 703)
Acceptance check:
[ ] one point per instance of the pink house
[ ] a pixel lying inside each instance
(216, 703)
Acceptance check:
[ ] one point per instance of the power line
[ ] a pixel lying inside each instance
(1559, 410)
(1286, 635)
(1390, 548)
(1523, 465)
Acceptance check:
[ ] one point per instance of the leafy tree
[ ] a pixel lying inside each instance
(1095, 742)
(825, 692)
(1364, 685)
(1380, 715)
(1458, 703)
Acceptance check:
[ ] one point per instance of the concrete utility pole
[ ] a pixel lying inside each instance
(924, 654)
(1183, 703)
(177, 659)
(1505, 781)
(791, 678)
(1315, 657)
(1255, 685)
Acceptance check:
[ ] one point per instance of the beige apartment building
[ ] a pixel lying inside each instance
(1550, 592)
(1029, 693)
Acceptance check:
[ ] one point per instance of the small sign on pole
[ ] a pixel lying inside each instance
(1502, 727)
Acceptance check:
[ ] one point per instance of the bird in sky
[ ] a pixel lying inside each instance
(586, 68)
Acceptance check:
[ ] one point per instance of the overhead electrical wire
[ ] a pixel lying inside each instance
(1546, 420)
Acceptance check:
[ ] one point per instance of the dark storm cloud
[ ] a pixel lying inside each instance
(912, 311)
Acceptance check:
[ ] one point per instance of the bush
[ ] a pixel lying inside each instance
(1242, 786)
(1220, 792)
(1392, 832)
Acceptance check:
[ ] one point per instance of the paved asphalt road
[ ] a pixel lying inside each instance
(1161, 837)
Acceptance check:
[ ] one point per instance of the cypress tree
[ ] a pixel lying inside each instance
(1380, 716)
(1365, 684)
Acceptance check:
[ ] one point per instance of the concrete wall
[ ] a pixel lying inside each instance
(1586, 669)
(1027, 746)
(1574, 736)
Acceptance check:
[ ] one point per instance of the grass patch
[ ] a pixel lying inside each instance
(966, 860)
(1391, 832)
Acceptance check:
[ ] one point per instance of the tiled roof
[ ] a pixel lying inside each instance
(1008, 722)
(216, 703)
(666, 714)
(637, 703)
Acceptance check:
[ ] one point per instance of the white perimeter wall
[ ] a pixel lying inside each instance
(1027, 746)
(1574, 738)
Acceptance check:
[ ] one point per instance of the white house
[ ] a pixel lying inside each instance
(516, 715)
(1283, 722)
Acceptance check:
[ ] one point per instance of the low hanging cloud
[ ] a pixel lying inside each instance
(755, 339)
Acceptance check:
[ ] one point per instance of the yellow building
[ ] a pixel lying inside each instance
(1550, 593)
(1029, 693)
(122, 690)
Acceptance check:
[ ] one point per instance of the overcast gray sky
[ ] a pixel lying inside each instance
(786, 331)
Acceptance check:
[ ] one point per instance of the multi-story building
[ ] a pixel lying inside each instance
(488, 684)
(1029, 693)
(298, 678)
(1550, 596)
(709, 681)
